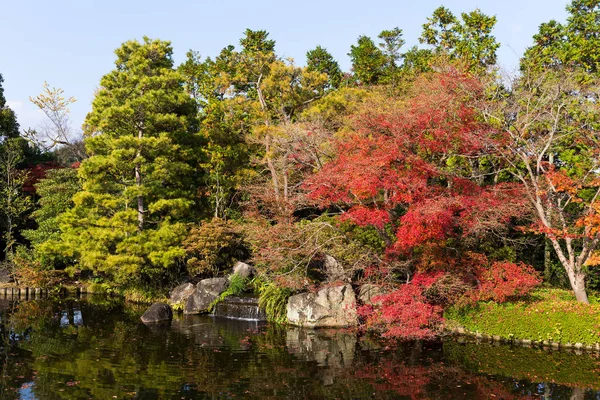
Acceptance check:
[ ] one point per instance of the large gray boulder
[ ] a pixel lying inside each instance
(158, 312)
(207, 291)
(242, 269)
(332, 307)
(181, 293)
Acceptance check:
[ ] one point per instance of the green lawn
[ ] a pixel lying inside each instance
(546, 315)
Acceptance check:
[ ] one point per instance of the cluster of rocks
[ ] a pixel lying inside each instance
(330, 307)
(195, 299)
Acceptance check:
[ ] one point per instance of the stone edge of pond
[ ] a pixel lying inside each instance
(478, 337)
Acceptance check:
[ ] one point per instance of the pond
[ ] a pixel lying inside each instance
(97, 348)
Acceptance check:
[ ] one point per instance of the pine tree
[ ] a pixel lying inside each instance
(139, 184)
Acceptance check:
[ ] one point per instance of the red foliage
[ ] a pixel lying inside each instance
(404, 313)
(36, 173)
(418, 165)
(400, 157)
(504, 280)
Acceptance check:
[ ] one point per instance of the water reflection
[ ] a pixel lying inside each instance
(98, 349)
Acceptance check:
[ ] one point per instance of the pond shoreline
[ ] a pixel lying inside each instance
(463, 335)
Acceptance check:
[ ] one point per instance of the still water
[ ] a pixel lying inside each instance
(98, 349)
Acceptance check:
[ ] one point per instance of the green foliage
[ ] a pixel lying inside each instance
(333, 110)
(550, 314)
(9, 127)
(368, 61)
(143, 295)
(55, 193)
(469, 40)
(273, 299)
(237, 285)
(14, 203)
(214, 247)
(575, 44)
(320, 60)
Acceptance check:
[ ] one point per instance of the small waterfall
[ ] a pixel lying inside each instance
(240, 307)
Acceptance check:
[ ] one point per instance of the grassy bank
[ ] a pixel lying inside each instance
(550, 315)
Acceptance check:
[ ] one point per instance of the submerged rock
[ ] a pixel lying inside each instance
(158, 312)
(207, 291)
(332, 307)
(242, 269)
(181, 293)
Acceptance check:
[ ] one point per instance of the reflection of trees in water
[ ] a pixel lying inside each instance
(100, 350)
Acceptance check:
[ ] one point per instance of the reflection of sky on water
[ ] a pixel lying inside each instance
(77, 318)
(26, 391)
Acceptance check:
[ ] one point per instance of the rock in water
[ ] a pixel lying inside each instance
(242, 269)
(332, 307)
(158, 312)
(181, 293)
(207, 291)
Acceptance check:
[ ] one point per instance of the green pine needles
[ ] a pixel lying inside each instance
(139, 184)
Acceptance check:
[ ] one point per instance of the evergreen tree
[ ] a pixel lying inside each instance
(55, 193)
(320, 60)
(468, 39)
(140, 181)
(9, 128)
(368, 61)
(575, 44)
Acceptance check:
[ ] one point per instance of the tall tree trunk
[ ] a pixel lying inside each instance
(547, 260)
(138, 183)
(578, 285)
(573, 266)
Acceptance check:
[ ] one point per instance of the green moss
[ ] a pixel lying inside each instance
(548, 314)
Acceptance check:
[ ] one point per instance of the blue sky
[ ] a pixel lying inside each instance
(70, 43)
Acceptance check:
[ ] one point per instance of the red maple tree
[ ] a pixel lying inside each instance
(422, 165)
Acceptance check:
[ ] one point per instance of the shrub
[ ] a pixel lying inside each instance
(404, 313)
(30, 273)
(502, 281)
(214, 247)
(446, 290)
(273, 299)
